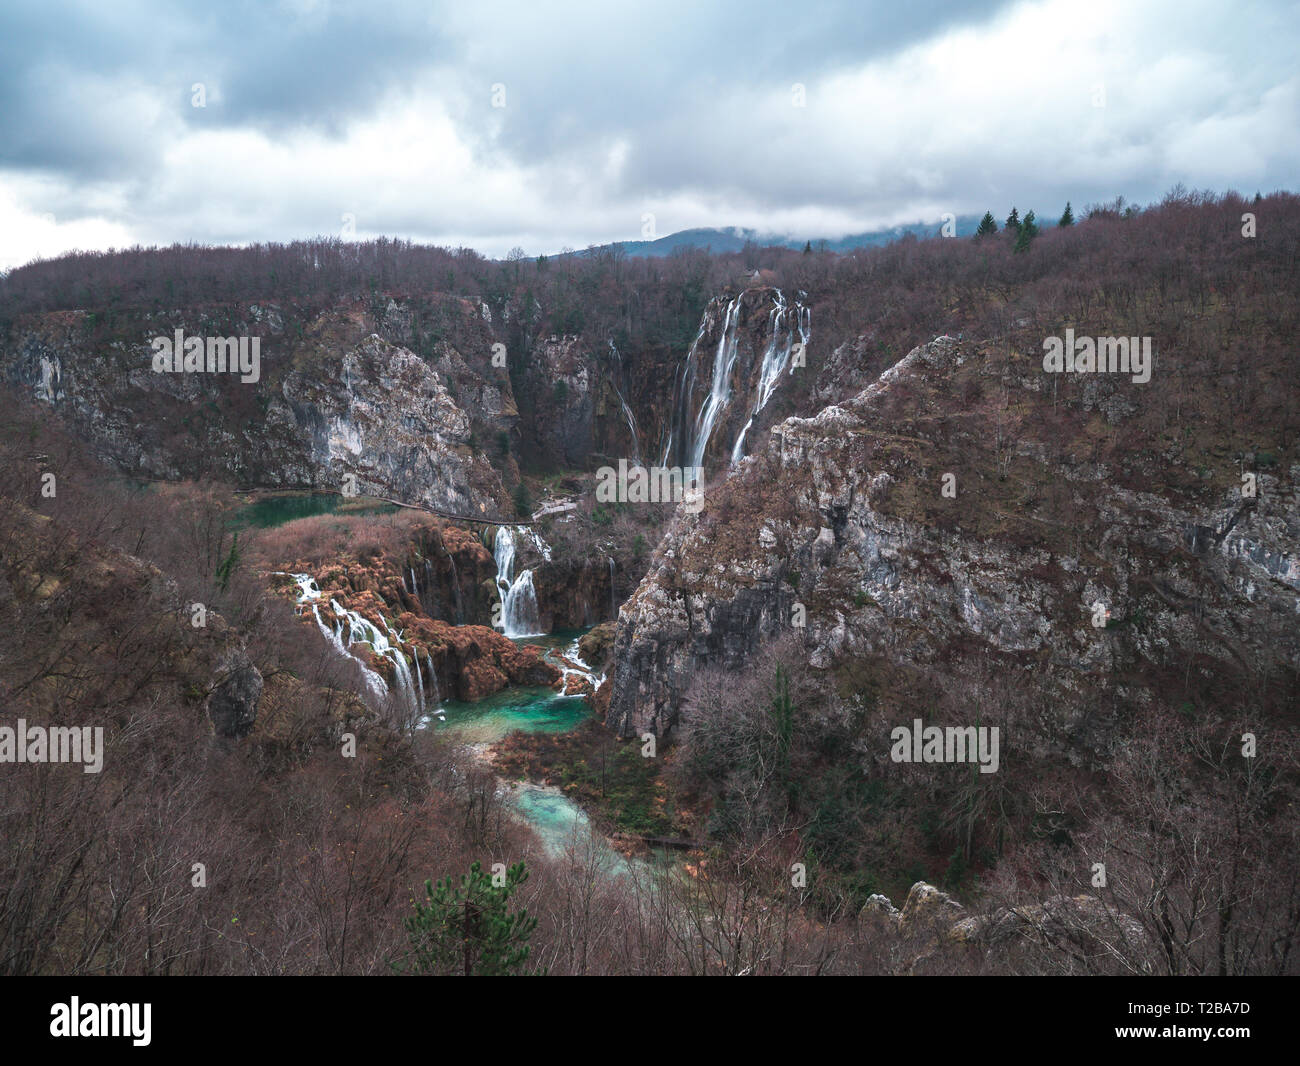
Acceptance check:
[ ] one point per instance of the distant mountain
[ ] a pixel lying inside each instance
(735, 238)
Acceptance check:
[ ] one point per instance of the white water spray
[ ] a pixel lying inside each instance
(776, 358)
(360, 630)
(519, 612)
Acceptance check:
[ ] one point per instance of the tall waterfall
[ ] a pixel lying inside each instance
(776, 358)
(617, 360)
(724, 360)
(519, 612)
(692, 429)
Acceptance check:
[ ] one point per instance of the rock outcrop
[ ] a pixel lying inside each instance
(841, 533)
(932, 924)
(330, 405)
(383, 417)
(232, 703)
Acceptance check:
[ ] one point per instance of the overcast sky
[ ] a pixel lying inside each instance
(799, 118)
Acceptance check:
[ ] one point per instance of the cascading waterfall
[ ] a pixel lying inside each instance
(363, 631)
(776, 358)
(385, 644)
(691, 432)
(309, 593)
(613, 603)
(571, 664)
(433, 680)
(520, 608)
(519, 613)
(724, 361)
(683, 385)
(503, 551)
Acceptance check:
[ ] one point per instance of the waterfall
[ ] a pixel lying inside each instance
(724, 361)
(433, 678)
(363, 631)
(571, 664)
(519, 612)
(520, 608)
(683, 386)
(627, 411)
(434, 707)
(385, 644)
(419, 681)
(776, 358)
(503, 551)
(691, 431)
(455, 584)
(613, 603)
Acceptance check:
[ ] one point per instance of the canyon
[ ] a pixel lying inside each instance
(904, 520)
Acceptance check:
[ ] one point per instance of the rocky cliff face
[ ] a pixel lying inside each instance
(329, 401)
(841, 533)
(384, 416)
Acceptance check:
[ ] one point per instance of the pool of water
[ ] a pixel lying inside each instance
(269, 511)
(532, 710)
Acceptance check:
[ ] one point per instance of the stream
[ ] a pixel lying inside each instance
(558, 822)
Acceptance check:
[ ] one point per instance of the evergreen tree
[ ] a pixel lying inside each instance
(470, 928)
(1026, 233)
(807, 248)
(227, 567)
(783, 713)
(1067, 216)
(1012, 224)
(523, 502)
(987, 226)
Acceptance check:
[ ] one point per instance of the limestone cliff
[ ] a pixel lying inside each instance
(841, 532)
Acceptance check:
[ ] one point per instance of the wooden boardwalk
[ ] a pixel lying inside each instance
(437, 513)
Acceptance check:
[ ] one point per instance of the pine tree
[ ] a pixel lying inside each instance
(227, 567)
(1027, 232)
(523, 502)
(469, 928)
(807, 247)
(987, 227)
(1012, 224)
(1067, 216)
